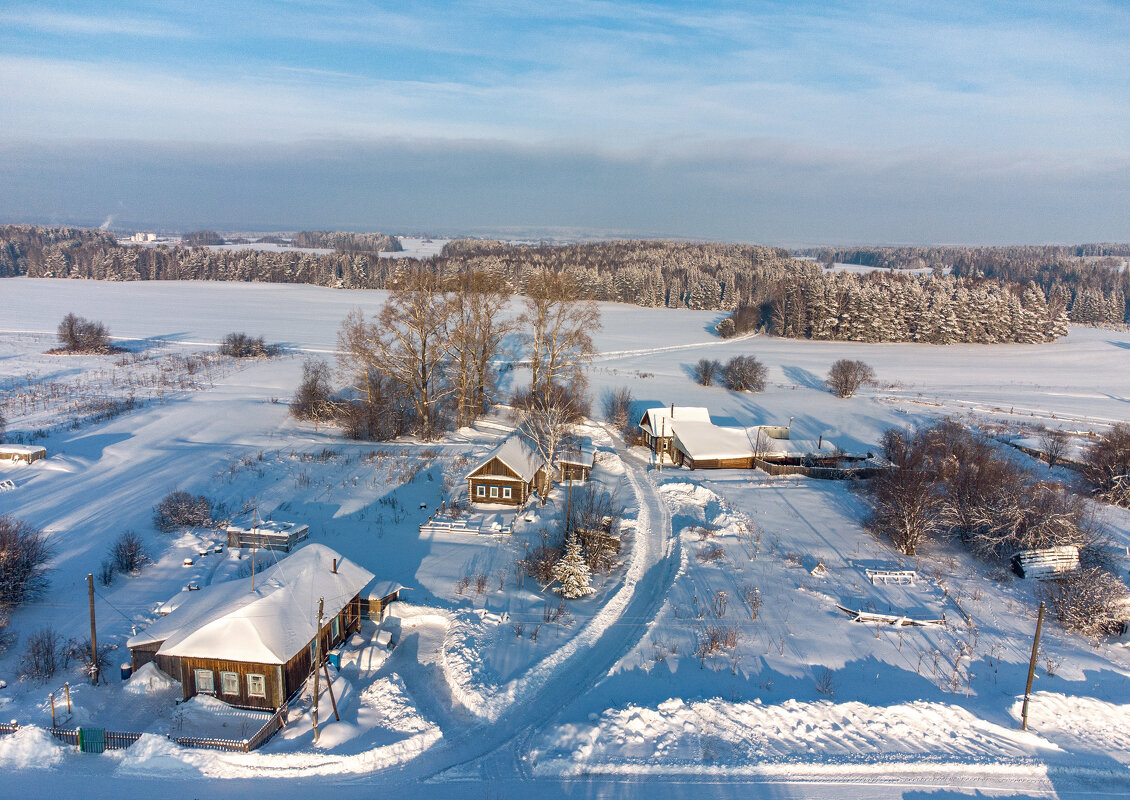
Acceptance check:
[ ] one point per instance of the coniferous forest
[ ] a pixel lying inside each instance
(976, 295)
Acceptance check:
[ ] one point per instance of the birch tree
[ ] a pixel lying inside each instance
(558, 337)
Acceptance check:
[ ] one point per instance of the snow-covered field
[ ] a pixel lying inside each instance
(802, 701)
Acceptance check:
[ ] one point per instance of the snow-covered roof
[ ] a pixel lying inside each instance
(21, 449)
(268, 624)
(379, 588)
(657, 421)
(584, 453)
(792, 448)
(266, 527)
(516, 454)
(704, 440)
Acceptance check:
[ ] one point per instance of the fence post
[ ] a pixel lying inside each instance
(67, 688)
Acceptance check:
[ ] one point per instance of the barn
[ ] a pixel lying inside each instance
(511, 474)
(703, 445)
(22, 453)
(254, 647)
(267, 534)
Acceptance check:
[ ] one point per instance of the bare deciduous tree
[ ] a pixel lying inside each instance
(905, 505)
(705, 371)
(617, 406)
(559, 326)
(546, 420)
(744, 373)
(1055, 444)
(1106, 466)
(179, 509)
(312, 398)
(477, 331)
(847, 376)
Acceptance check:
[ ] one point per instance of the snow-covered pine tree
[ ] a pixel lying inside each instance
(572, 572)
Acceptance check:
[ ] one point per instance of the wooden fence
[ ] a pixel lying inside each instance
(458, 526)
(9, 727)
(821, 473)
(120, 740)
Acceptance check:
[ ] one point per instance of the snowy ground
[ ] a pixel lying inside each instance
(616, 699)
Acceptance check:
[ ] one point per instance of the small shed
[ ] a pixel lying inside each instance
(267, 535)
(704, 445)
(511, 474)
(253, 647)
(376, 597)
(575, 463)
(1046, 562)
(22, 453)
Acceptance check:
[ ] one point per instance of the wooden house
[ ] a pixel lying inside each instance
(511, 474)
(22, 453)
(657, 426)
(704, 445)
(267, 534)
(575, 463)
(254, 647)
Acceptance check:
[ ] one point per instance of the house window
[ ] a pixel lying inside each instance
(335, 626)
(481, 491)
(313, 649)
(205, 683)
(506, 492)
(494, 491)
(230, 682)
(256, 686)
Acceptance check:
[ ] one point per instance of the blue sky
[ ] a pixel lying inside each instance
(791, 123)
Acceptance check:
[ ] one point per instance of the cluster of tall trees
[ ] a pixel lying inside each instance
(430, 359)
(881, 307)
(348, 242)
(947, 480)
(1089, 280)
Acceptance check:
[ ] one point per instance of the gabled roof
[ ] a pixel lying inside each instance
(518, 456)
(704, 440)
(794, 448)
(653, 419)
(268, 624)
(583, 453)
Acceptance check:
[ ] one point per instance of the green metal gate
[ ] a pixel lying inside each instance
(92, 740)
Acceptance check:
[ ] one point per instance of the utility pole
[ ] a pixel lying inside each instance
(317, 663)
(1032, 669)
(93, 633)
(253, 568)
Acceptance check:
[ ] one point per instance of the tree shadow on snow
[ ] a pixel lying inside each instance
(803, 377)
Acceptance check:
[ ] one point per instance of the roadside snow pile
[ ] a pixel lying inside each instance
(31, 747)
(717, 736)
(1080, 724)
(688, 494)
(150, 680)
(154, 754)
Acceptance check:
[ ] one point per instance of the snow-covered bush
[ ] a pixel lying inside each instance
(24, 553)
(744, 374)
(1091, 601)
(128, 552)
(312, 398)
(1106, 466)
(179, 509)
(79, 335)
(241, 345)
(847, 376)
(42, 654)
(617, 406)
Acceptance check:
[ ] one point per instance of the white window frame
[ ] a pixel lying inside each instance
(252, 679)
(206, 686)
(229, 682)
(494, 492)
(335, 627)
(480, 491)
(507, 493)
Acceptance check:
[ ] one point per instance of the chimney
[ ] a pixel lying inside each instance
(820, 442)
(672, 411)
(335, 566)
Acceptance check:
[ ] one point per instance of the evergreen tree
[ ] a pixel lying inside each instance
(572, 572)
